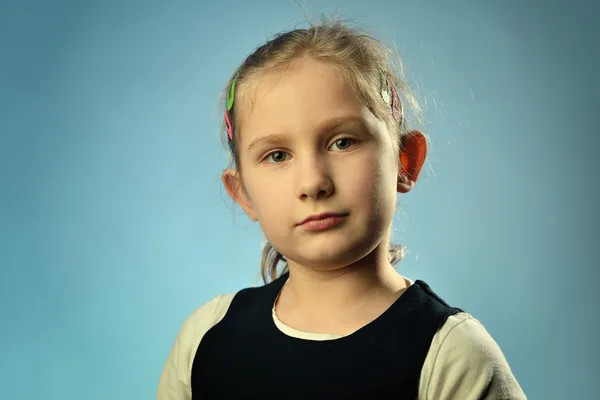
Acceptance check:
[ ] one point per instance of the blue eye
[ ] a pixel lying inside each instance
(344, 143)
(277, 157)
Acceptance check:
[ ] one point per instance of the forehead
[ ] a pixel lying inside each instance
(297, 100)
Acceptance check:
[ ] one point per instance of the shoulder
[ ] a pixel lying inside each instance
(174, 381)
(465, 362)
(206, 316)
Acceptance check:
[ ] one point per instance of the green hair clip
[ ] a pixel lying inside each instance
(231, 94)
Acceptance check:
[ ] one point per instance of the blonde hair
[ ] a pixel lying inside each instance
(360, 58)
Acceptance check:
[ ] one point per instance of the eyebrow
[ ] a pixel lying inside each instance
(327, 125)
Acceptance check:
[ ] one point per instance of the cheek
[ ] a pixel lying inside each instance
(374, 180)
(266, 198)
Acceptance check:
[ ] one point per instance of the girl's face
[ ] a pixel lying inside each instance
(307, 147)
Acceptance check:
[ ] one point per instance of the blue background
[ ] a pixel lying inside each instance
(114, 226)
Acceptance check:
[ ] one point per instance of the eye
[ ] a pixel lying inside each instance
(276, 157)
(344, 143)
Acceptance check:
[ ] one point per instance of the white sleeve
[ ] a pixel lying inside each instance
(175, 380)
(464, 362)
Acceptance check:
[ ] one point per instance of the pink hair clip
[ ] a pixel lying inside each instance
(389, 95)
(385, 92)
(228, 126)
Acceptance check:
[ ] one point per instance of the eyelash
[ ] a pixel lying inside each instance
(354, 143)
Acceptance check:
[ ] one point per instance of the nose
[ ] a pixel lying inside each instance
(314, 180)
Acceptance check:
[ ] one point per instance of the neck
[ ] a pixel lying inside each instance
(343, 289)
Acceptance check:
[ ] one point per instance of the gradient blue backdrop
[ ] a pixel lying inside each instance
(114, 226)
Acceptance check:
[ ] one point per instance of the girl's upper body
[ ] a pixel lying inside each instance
(317, 125)
(235, 346)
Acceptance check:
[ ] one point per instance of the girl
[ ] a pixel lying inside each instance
(315, 121)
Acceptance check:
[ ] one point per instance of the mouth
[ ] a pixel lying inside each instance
(323, 221)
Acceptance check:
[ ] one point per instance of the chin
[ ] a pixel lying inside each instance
(330, 256)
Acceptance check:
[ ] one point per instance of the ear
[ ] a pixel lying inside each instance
(233, 185)
(412, 158)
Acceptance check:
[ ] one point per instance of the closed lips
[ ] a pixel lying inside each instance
(317, 217)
